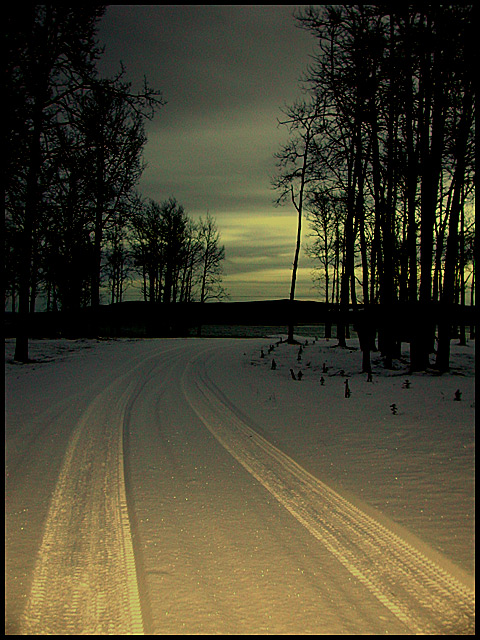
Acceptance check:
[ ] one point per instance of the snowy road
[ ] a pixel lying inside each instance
(147, 501)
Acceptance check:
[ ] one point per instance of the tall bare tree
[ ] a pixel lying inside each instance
(462, 135)
(295, 162)
(323, 215)
(211, 255)
(393, 82)
(111, 118)
(51, 54)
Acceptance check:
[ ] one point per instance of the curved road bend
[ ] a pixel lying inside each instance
(223, 533)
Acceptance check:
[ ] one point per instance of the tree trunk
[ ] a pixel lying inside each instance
(299, 208)
(472, 298)
(448, 293)
(348, 265)
(432, 142)
(461, 267)
(98, 232)
(366, 330)
(31, 204)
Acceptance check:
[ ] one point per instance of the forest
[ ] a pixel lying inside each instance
(76, 227)
(381, 160)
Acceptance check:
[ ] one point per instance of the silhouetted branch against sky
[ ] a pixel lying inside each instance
(225, 72)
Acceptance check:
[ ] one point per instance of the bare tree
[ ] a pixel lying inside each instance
(118, 265)
(211, 255)
(396, 126)
(112, 121)
(295, 162)
(191, 262)
(147, 249)
(462, 135)
(323, 215)
(51, 54)
(175, 254)
(173, 238)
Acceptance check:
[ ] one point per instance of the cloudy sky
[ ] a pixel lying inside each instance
(225, 71)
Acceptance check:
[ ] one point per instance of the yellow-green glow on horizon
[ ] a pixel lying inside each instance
(212, 146)
(259, 253)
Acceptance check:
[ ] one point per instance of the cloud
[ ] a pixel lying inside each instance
(217, 170)
(225, 71)
(209, 57)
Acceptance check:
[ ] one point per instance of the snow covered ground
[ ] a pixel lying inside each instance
(415, 465)
(214, 437)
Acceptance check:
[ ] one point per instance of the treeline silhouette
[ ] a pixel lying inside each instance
(139, 319)
(74, 155)
(381, 158)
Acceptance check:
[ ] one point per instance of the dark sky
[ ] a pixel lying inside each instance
(225, 71)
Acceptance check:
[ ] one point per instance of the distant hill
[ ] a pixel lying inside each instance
(143, 319)
(138, 318)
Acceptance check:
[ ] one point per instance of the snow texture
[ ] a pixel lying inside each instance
(399, 446)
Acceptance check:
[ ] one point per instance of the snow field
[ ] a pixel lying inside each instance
(413, 464)
(411, 468)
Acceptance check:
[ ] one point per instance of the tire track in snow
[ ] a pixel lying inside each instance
(85, 578)
(420, 593)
